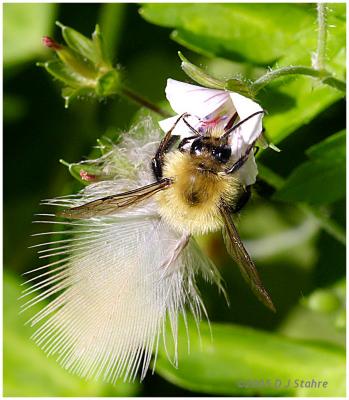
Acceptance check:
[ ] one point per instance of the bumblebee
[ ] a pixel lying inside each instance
(197, 189)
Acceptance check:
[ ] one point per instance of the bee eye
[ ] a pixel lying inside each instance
(196, 147)
(222, 154)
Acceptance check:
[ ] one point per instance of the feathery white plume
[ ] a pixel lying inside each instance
(118, 278)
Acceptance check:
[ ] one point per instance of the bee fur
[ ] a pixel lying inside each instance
(192, 202)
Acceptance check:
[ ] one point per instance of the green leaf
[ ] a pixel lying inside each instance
(27, 369)
(303, 323)
(330, 148)
(315, 182)
(322, 179)
(257, 33)
(321, 215)
(236, 357)
(22, 36)
(308, 95)
(319, 315)
(307, 99)
(261, 34)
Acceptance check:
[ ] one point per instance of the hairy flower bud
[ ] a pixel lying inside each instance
(82, 65)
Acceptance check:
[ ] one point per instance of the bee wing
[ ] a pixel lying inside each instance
(110, 204)
(111, 292)
(237, 250)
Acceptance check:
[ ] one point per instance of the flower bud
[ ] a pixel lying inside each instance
(82, 65)
(90, 171)
(84, 173)
(50, 43)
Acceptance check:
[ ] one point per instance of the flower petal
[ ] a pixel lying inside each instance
(249, 171)
(193, 99)
(181, 128)
(167, 124)
(251, 129)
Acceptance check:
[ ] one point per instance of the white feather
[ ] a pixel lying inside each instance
(119, 279)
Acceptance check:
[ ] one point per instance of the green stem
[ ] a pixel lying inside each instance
(320, 55)
(327, 224)
(135, 97)
(323, 75)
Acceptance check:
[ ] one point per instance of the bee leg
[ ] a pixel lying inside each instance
(165, 144)
(241, 161)
(157, 168)
(157, 161)
(185, 141)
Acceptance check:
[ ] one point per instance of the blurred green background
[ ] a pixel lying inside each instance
(295, 234)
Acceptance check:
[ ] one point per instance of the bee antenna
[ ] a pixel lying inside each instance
(229, 131)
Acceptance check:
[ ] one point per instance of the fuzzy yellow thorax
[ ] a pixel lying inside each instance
(191, 203)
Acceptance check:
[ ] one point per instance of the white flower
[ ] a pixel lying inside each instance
(212, 107)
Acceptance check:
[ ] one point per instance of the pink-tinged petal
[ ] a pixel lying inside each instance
(251, 129)
(193, 99)
(220, 117)
(249, 171)
(181, 128)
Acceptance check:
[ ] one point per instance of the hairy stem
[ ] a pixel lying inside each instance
(323, 75)
(320, 55)
(135, 97)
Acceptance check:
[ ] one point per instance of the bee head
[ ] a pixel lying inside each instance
(220, 152)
